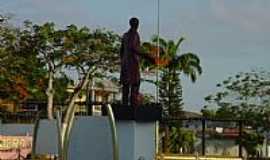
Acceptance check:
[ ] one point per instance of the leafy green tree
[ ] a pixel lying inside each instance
(148, 98)
(181, 140)
(73, 48)
(40, 54)
(22, 73)
(47, 42)
(43, 43)
(170, 93)
(252, 142)
(172, 64)
(91, 54)
(244, 96)
(170, 57)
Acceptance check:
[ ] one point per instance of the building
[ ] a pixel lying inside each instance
(8, 106)
(99, 90)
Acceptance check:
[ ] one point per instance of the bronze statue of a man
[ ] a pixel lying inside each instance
(130, 71)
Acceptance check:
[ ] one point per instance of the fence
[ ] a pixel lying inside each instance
(206, 129)
(27, 112)
(193, 157)
(213, 136)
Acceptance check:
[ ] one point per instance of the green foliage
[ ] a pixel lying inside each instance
(244, 96)
(96, 50)
(181, 139)
(209, 113)
(61, 84)
(30, 53)
(148, 98)
(171, 65)
(21, 73)
(170, 57)
(77, 48)
(252, 142)
(170, 93)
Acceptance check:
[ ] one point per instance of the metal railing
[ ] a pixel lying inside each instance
(193, 157)
(205, 128)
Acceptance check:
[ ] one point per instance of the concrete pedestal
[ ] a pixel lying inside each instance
(136, 140)
(91, 137)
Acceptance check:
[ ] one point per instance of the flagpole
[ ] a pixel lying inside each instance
(157, 83)
(158, 52)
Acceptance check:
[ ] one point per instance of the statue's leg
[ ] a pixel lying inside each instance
(134, 94)
(125, 94)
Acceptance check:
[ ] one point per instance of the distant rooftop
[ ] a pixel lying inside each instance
(188, 114)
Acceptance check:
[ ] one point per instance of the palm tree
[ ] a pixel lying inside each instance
(187, 63)
(171, 64)
(170, 59)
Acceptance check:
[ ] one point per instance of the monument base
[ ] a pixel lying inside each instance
(91, 137)
(136, 140)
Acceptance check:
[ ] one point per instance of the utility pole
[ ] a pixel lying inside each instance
(203, 136)
(157, 80)
(158, 52)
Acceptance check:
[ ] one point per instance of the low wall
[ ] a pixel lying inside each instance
(16, 129)
(193, 157)
(91, 138)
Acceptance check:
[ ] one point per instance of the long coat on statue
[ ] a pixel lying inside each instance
(129, 53)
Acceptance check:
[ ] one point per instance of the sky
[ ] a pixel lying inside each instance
(229, 36)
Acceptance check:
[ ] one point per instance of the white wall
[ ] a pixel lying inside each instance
(91, 139)
(145, 141)
(126, 138)
(136, 140)
(16, 129)
(47, 137)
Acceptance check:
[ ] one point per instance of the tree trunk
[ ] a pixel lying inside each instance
(166, 140)
(69, 116)
(50, 95)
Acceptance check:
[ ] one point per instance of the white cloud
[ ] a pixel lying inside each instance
(249, 15)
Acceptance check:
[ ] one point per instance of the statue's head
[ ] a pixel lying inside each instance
(134, 23)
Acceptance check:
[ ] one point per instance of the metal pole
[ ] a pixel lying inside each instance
(240, 136)
(113, 132)
(157, 136)
(35, 132)
(158, 51)
(203, 137)
(59, 131)
(157, 81)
